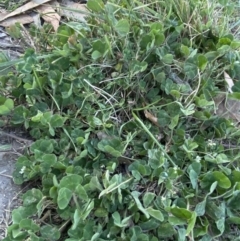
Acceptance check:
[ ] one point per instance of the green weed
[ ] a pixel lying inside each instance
(127, 145)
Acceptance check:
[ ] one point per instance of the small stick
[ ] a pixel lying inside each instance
(5, 175)
(14, 136)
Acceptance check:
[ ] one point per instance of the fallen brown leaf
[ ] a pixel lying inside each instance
(151, 117)
(229, 81)
(2, 11)
(3, 14)
(73, 10)
(227, 108)
(23, 19)
(49, 15)
(24, 8)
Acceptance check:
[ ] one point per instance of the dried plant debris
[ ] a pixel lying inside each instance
(49, 15)
(48, 10)
(73, 10)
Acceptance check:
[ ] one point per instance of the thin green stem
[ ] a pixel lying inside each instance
(153, 138)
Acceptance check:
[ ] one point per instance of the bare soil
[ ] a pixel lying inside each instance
(11, 146)
(9, 192)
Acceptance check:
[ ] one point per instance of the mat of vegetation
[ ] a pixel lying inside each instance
(127, 142)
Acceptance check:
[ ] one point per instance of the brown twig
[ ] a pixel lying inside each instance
(14, 136)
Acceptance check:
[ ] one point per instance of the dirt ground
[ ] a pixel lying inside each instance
(9, 150)
(9, 192)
